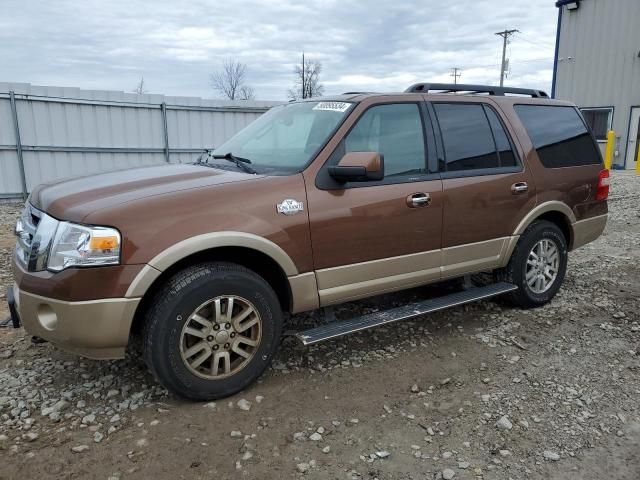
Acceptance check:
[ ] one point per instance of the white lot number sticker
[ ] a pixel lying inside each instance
(332, 106)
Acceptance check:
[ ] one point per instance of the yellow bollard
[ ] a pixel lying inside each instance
(608, 154)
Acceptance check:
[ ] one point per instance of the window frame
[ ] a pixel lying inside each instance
(611, 110)
(324, 181)
(477, 172)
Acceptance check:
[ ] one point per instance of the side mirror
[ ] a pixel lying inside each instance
(359, 167)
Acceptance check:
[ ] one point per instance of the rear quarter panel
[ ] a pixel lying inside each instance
(574, 186)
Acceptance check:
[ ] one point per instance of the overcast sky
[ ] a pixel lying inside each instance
(373, 45)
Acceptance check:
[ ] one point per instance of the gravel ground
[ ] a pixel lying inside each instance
(481, 391)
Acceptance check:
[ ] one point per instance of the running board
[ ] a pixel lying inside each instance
(339, 328)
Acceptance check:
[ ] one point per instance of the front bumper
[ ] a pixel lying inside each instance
(96, 329)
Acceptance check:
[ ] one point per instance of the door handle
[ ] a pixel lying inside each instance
(520, 187)
(418, 200)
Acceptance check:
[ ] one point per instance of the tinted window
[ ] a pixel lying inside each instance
(395, 131)
(505, 149)
(467, 138)
(559, 135)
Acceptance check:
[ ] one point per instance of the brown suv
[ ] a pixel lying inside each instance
(316, 203)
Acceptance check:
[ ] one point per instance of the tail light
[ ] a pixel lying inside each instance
(603, 185)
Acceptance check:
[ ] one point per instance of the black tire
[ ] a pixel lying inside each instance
(173, 304)
(515, 271)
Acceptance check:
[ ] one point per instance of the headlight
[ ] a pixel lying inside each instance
(83, 246)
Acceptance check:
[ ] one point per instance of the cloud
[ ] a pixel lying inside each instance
(370, 45)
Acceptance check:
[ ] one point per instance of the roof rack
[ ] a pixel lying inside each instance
(357, 93)
(474, 89)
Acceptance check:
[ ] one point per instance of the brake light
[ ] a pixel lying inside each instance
(603, 185)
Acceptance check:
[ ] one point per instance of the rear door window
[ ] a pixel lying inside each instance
(473, 138)
(559, 135)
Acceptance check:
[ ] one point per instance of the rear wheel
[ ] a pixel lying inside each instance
(212, 330)
(537, 266)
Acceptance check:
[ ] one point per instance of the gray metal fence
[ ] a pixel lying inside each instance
(54, 132)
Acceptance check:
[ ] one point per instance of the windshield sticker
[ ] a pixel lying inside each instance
(332, 106)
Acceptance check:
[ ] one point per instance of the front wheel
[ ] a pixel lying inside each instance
(537, 266)
(212, 330)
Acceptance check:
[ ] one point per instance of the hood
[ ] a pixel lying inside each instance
(75, 198)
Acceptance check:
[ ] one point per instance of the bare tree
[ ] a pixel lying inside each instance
(230, 81)
(307, 83)
(139, 88)
(246, 93)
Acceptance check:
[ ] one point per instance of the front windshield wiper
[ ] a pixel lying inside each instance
(241, 162)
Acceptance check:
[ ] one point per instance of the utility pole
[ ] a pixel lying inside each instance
(303, 93)
(505, 36)
(455, 75)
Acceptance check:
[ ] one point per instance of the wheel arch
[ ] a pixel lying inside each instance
(260, 255)
(556, 212)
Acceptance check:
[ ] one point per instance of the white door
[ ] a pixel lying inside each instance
(633, 143)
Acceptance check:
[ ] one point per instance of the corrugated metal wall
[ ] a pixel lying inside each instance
(598, 63)
(67, 131)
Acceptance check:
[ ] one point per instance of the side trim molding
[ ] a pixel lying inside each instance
(586, 231)
(304, 292)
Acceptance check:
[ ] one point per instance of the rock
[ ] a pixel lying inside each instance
(115, 419)
(463, 465)
(30, 436)
(415, 388)
(504, 423)
(316, 437)
(153, 423)
(445, 381)
(303, 467)
(236, 434)
(143, 442)
(505, 453)
(80, 448)
(89, 419)
(448, 474)
(210, 405)
(447, 455)
(98, 437)
(244, 405)
(247, 456)
(259, 398)
(382, 454)
(326, 449)
(112, 393)
(549, 455)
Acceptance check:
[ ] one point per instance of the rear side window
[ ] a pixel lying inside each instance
(559, 135)
(473, 138)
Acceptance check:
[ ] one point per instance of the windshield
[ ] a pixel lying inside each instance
(286, 138)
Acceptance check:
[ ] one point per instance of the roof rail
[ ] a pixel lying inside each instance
(473, 89)
(357, 93)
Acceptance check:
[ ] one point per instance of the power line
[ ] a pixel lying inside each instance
(535, 41)
(505, 36)
(455, 74)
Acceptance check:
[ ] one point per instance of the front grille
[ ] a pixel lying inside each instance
(30, 219)
(35, 231)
